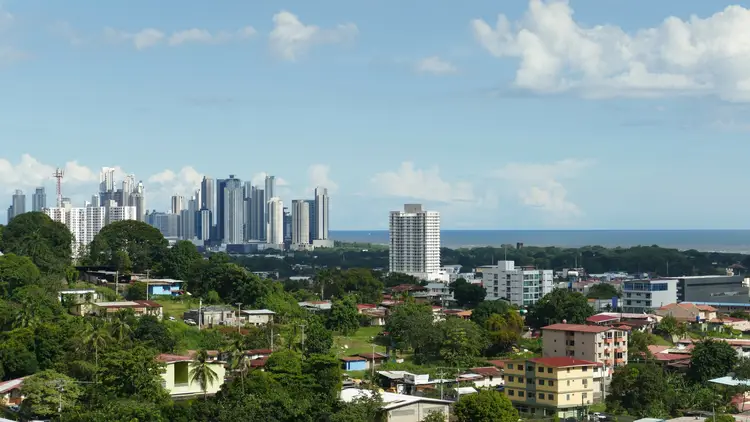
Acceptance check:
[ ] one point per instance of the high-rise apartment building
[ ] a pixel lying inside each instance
(107, 179)
(233, 208)
(178, 204)
(287, 227)
(203, 224)
(270, 192)
(521, 286)
(313, 219)
(300, 222)
(128, 188)
(188, 219)
(117, 213)
(83, 222)
(168, 224)
(208, 197)
(258, 214)
(321, 213)
(275, 221)
(18, 205)
(247, 193)
(139, 202)
(414, 241)
(39, 199)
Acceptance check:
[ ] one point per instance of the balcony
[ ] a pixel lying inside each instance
(609, 340)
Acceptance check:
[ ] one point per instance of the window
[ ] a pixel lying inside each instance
(568, 369)
(584, 395)
(529, 380)
(541, 382)
(568, 383)
(549, 370)
(520, 393)
(551, 383)
(520, 379)
(511, 392)
(567, 397)
(520, 367)
(585, 368)
(510, 378)
(541, 369)
(510, 366)
(550, 396)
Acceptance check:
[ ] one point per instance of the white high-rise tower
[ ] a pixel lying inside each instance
(300, 222)
(275, 221)
(415, 242)
(321, 213)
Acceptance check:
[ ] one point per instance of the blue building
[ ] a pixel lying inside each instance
(164, 287)
(353, 363)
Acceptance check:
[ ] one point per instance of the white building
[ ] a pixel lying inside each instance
(83, 222)
(300, 222)
(321, 214)
(275, 221)
(522, 286)
(414, 241)
(645, 295)
(117, 213)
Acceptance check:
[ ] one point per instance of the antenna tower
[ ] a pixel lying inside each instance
(59, 176)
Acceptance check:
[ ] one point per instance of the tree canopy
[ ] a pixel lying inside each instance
(558, 306)
(128, 245)
(46, 242)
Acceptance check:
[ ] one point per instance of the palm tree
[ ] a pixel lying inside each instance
(95, 337)
(202, 373)
(119, 327)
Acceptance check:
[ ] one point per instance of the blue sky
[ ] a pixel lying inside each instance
(580, 114)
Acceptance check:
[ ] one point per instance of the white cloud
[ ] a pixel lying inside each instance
(695, 56)
(290, 38)
(435, 65)
(151, 37)
(318, 176)
(539, 186)
(167, 183)
(425, 185)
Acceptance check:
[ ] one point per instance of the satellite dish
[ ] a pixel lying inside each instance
(565, 321)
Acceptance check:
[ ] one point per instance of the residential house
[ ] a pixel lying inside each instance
(400, 407)
(139, 307)
(376, 316)
(316, 305)
(213, 315)
(484, 377)
(353, 363)
(435, 291)
(687, 312)
(741, 346)
(460, 313)
(10, 392)
(78, 301)
(375, 359)
(163, 287)
(638, 322)
(256, 317)
(725, 322)
(551, 386)
(258, 353)
(177, 381)
(403, 382)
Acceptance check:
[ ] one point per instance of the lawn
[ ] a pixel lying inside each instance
(176, 307)
(659, 340)
(359, 342)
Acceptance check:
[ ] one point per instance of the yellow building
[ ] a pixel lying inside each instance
(176, 377)
(550, 385)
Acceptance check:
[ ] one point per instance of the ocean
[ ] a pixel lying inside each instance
(737, 241)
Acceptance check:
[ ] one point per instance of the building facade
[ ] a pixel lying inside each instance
(275, 222)
(208, 198)
(84, 224)
(639, 296)
(39, 200)
(521, 286)
(300, 222)
(714, 288)
(234, 212)
(551, 386)
(321, 214)
(414, 236)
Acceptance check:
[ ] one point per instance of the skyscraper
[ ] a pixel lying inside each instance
(208, 198)
(275, 221)
(321, 213)
(178, 204)
(138, 200)
(258, 214)
(204, 224)
(219, 214)
(300, 222)
(270, 192)
(313, 221)
(233, 208)
(414, 241)
(39, 199)
(83, 222)
(188, 219)
(287, 227)
(247, 192)
(18, 203)
(107, 179)
(128, 187)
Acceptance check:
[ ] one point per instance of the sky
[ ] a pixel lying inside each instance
(501, 115)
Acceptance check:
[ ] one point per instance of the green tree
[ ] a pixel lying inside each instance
(94, 338)
(120, 326)
(410, 326)
(17, 357)
(132, 373)
(435, 416)
(638, 346)
(467, 294)
(482, 312)
(201, 372)
(143, 245)
(16, 271)
(136, 291)
(336, 283)
(711, 359)
(365, 408)
(45, 242)
(558, 306)
(154, 333)
(343, 317)
(180, 260)
(461, 341)
(46, 391)
(396, 279)
(318, 340)
(603, 291)
(504, 331)
(485, 406)
(668, 326)
(638, 389)
(724, 418)
(37, 305)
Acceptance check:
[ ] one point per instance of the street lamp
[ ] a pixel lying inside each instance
(239, 310)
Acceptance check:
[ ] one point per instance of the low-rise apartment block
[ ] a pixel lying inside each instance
(605, 345)
(521, 286)
(551, 386)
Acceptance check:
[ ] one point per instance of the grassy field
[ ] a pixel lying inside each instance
(659, 340)
(359, 342)
(176, 307)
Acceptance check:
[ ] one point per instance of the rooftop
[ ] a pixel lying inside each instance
(9, 385)
(580, 328)
(599, 318)
(390, 400)
(129, 304)
(258, 312)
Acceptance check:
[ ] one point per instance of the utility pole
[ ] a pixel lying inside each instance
(200, 312)
(117, 282)
(148, 278)
(303, 335)
(373, 363)
(441, 374)
(272, 336)
(239, 311)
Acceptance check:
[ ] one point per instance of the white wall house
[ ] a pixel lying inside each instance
(176, 377)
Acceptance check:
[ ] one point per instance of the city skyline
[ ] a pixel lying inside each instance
(485, 112)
